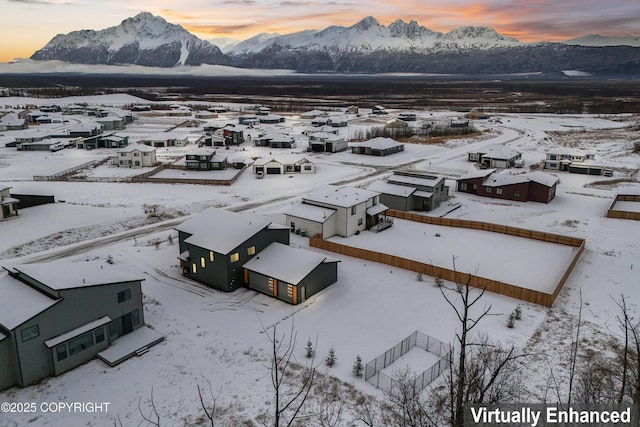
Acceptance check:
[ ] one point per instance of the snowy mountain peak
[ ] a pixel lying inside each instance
(144, 39)
(477, 33)
(598, 40)
(366, 23)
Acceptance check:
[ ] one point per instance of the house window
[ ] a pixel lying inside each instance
(83, 342)
(61, 352)
(123, 154)
(124, 295)
(516, 193)
(353, 210)
(359, 221)
(194, 268)
(202, 262)
(307, 167)
(463, 186)
(488, 190)
(475, 186)
(498, 190)
(136, 154)
(552, 157)
(30, 332)
(234, 257)
(135, 317)
(553, 165)
(211, 256)
(251, 250)
(99, 334)
(146, 154)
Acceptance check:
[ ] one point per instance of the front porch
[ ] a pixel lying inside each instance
(377, 219)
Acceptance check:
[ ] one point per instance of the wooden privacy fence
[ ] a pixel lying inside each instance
(513, 291)
(613, 212)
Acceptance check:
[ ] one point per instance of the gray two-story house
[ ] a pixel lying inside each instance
(57, 316)
(216, 243)
(412, 191)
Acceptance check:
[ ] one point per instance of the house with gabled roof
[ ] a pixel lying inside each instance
(532, 186)
(572, 160)
(57, 316)
(215, 243)
(304, 273)
(282, 164)
(327, 142)
(8, 204)
(12, 121)
(495, 156)
(136, 156)
(206, 158)
(379, 146)
(339, 211)
(274, 139)
(409, 190)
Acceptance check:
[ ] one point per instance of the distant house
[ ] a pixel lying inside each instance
(495, 156)
(137, 156)
(85, 130)
(341, 211)
(46, 144)
(57, 316)
(304, 273)
(215, 244)
(337, 121)
(396, 124)
(13, 122)
(312, 114)
(533, 186)
(112, 122)
(377, 147)
(407, 117)
(8, 204)
(166, 139)
(327, 142)
(572, 160)
(205, 159)
(274, 139)
(248, 119)
(406, 191)
(353, 109)
(379, 110)
(233, 135)
(271, 119)
(283, 164)
(263, 111)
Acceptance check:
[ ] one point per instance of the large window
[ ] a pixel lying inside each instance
(234, 257)
(488, 190)
(463, 186)
(353, 210)
(124, 295)
(251, 250)
(83, 342)
(202, 262)
(498, 190)
(61, 352)
(99, 334)
(30, 332)
(516, 193)
(135, 317)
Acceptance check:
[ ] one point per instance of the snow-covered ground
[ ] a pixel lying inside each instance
(218, 337)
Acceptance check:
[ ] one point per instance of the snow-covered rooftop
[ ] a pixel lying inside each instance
(392, 189)
(137, 147)
(20, 302)
(423, 180)
(342, 197)
(380, 143)
(311, 212)
(499, 151)
(220, 230)
(286, 263)
(66, 275)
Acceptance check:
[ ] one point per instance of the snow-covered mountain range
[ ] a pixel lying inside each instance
(369, 35)
(365, 47)
(144, 39)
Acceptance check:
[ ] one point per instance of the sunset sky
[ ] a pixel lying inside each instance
(27, 25)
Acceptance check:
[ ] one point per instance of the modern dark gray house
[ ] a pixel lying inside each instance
(216, 243)
(57, 316)
(411, 191)
(304, 273)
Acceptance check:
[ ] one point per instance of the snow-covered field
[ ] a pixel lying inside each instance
(218, 337)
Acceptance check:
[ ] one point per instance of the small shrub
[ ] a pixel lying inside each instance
(357, 367)
(309, 351)
(330, 360)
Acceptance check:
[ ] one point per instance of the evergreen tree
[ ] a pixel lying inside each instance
(357, 367)
(309, 349)
(330, 360)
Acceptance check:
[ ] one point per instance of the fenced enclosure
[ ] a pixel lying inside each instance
(373, 370)
(530, 295)
(624, 207)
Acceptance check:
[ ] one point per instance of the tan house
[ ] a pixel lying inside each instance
(136, 156)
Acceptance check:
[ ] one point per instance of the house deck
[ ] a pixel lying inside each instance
(132, 344)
